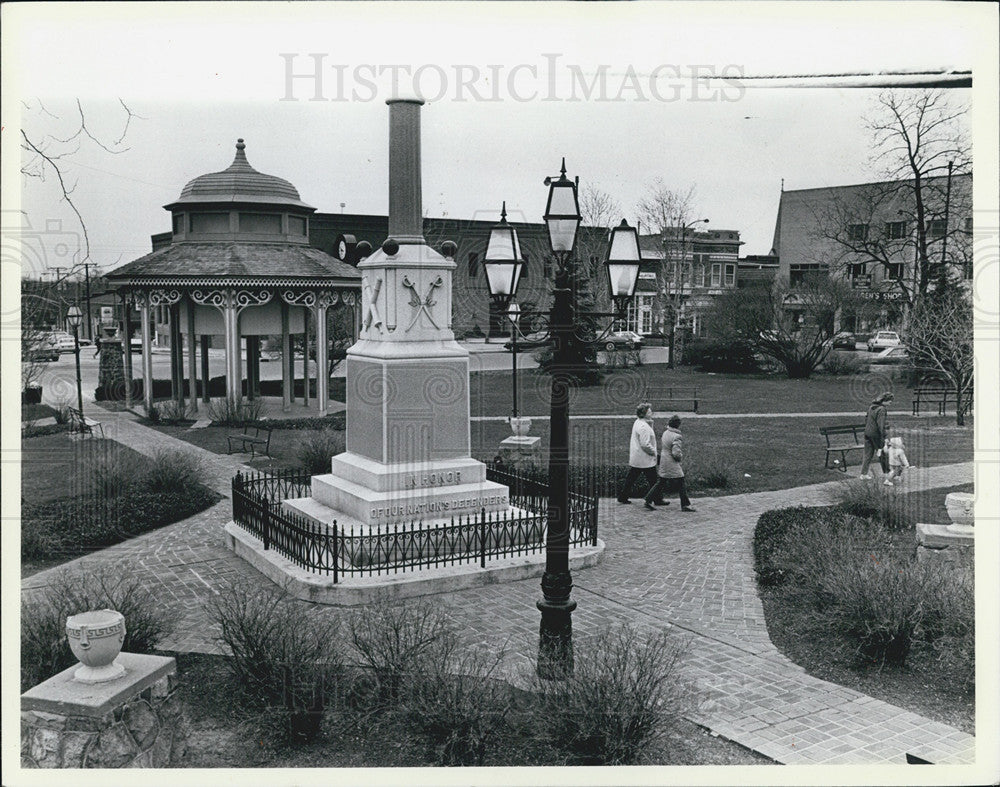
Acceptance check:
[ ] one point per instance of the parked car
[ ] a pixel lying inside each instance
(532, 342)
(43, 350)
(892, 355)
(882, 340)
(618, 339)
(62, 341)
(845, 340)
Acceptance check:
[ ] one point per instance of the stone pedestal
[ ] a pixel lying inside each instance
(132, 722)
(941, 544)
(111, 372)
(519, 451)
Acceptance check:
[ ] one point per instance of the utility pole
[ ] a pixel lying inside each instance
(90, 321)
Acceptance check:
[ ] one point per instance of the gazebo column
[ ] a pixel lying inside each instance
(176, 355)
(127, 347)
(205, 396)
(305, 357)
(234, 372)
(192, 354)
(287, 369)
(147, 353)
(322, 367)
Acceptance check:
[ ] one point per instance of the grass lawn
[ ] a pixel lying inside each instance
(215, 741)
(35, 412)
(63, 505)
(776, 453)
(923, 685)
(717, 393)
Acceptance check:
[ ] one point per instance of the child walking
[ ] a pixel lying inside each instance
(897, 459)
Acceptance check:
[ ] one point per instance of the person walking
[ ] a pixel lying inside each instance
(670, 471)
(641, 452)
(876, 431)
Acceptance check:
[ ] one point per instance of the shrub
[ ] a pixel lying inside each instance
(770, 539)
(44, 648)
(721, 355)
(316, 448)
(625, 694)
(70, 527)
(393, 640)
(840, 364)
(173, 412)
(457, 705)
(870, 498)
(173, 470)
(235, 412)
(111, 474)
(153, 414)
(715, 472)
(61, 413)
(622, 358)
(284, 658)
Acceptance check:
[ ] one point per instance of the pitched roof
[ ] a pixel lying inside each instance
(280, 260)
(240, 182)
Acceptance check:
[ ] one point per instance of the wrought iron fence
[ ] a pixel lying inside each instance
(336, 551)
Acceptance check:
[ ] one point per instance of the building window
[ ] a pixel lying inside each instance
(798, 272)
(937, 227)
(894, 271)
(473, 264)
(895, 230)
(296, 225)
(178, 223)
(547, 268)
(716, 274)
(857, 232)
(858, 269)
(730, 275)
(209, 223)
(699, 275)
(260, 223)
(525, 267)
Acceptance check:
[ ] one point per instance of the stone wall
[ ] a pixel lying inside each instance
(145, 731)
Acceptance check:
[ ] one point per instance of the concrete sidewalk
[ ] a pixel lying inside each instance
(690, 573)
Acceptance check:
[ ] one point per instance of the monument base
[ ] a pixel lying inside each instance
(941, 544)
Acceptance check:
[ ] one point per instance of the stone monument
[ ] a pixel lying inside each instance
(408, 434)
(950, 544)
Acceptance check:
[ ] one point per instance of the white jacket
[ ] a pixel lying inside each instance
(642, 448)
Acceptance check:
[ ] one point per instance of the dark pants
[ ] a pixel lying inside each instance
(870, 449)
(632, 477)
(669, 485)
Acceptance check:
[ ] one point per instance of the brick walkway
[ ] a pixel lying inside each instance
(688, 572)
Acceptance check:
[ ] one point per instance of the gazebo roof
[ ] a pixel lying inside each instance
(236, 260)
(239, 183)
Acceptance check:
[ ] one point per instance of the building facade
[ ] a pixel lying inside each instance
(872, 234)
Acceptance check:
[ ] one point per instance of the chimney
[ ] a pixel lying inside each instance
(405, 204)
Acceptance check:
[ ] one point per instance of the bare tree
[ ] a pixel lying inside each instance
(49, 142)
(792, 325)
(939, 339)
(917, 214)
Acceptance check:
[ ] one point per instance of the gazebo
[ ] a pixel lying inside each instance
(239, 265)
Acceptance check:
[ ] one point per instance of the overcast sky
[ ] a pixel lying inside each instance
(507, 88)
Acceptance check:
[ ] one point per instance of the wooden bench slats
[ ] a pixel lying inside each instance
(674, 396)
(841, 444)
(245, 438)
(83, 424)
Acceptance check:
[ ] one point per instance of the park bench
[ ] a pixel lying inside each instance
(83, 424)
(252, 436)
(939, 393)
(672, 397)
(840, 440)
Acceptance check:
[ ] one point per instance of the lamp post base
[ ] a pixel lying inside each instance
(555, 640)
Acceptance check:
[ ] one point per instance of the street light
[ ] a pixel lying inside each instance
(678, 280)
(73, 319)
(562, 219)
(513, 313)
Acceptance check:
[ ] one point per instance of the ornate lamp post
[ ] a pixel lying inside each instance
(562, 219)
(678, 285)
(513, 312)
(73, 318)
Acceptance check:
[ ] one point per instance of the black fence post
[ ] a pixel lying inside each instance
(336, 554)
(482, 538)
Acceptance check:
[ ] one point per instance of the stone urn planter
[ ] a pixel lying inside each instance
(961, 510)
(31, 395)
(519, 426)
(96, 639)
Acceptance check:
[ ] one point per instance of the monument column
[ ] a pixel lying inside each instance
(322, 370)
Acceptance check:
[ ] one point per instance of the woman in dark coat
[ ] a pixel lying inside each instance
(876, 430)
